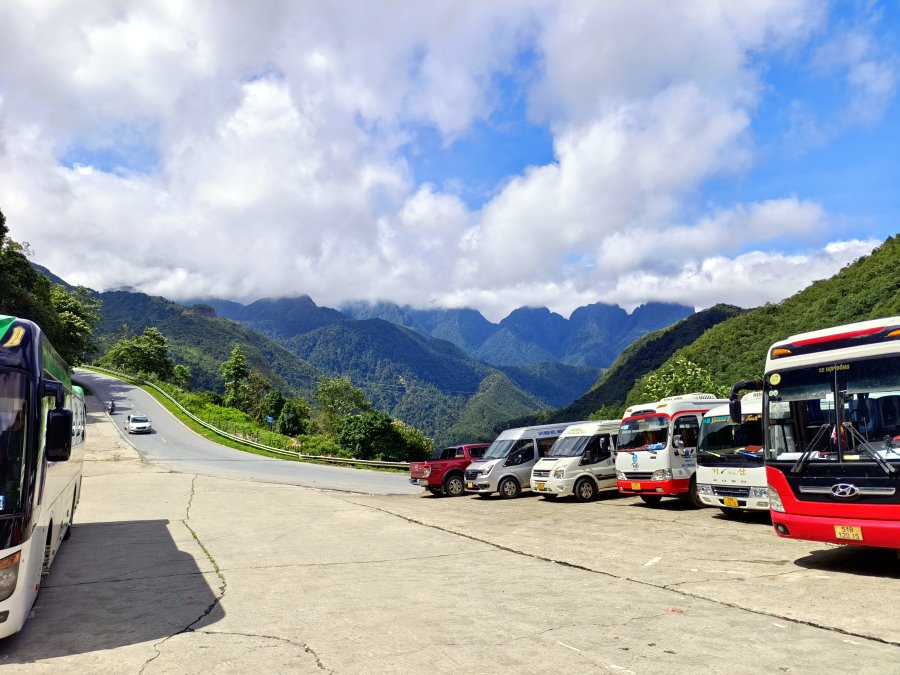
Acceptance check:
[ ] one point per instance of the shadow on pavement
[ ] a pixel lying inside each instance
(859, 560)
(114, 584)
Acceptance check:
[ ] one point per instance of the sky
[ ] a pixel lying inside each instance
(451, 153)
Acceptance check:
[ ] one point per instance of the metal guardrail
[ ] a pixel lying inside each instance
(240, 439)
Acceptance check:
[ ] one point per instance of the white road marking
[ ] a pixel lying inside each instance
(652, 561)
(574, 649)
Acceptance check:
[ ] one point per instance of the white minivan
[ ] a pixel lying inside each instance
(580, 463)
(506, 466)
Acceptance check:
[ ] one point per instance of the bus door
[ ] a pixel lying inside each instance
(599, 459)
(684, 459)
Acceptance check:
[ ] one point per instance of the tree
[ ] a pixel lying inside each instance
(413, 446)
(272, 405)
(182, 376)
(235, 371)
(678, 376)
(369, 435)
(339, 398)
(147, 353)
(294, 418)
(79, 313)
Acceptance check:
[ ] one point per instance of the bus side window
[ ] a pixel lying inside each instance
(688, 428)
(544, 445)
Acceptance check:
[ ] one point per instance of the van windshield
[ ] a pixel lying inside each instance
(499, 449)
(572, 446)
(644, 433)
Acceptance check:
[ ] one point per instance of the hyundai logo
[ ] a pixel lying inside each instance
(844, 491)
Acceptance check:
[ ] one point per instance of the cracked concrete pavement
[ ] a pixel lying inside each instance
(183, 573)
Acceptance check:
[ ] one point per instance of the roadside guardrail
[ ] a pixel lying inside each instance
(240, 439)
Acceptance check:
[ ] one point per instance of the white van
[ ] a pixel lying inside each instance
(657, 445)
(506, 466)
(731, 470)
(580, 463)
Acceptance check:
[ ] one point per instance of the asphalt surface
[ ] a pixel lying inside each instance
(175, 572)
(173, 446)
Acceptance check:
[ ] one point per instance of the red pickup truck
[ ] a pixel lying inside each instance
(443, 473)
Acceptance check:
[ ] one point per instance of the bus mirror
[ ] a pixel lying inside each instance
(734, 409)
(59, 435)
(56, 390)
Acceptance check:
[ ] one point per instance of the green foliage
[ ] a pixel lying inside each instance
(338, 398)
(677, 376)
(182, 376)
(320, 445)
(369, 435)
(610, 411)
(415, 445)
(294, 418)
(79, 313)
(146, 354)
(272, 405)
(236, 371)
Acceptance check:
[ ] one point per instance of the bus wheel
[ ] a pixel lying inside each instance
(509, 488)
(584, 490)
(454, 486)
(696, 502)
(651, 500)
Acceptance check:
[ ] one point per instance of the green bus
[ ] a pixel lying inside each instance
(42, 425)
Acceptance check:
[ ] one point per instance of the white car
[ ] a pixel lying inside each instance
(137, 424)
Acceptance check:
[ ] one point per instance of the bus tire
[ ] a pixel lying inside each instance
(509, 488)
(693, 495)
(585, 490)
(651, 500)
(453, 485)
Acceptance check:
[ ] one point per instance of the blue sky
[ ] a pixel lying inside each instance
(487, 155)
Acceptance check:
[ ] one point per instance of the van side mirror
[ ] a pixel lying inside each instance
(59, 435)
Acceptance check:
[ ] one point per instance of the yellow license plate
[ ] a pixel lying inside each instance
(635, 486)
(849, 532)
(730, 501)
(470, 486)
(540, 486)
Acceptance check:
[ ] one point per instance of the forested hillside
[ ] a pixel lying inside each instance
(866, 289)
(203, 342)
(643, 356)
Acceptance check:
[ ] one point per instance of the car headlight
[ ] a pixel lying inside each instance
(759, 493)
(775, 501)
(661, 474)
(620, 475)
(488, 469)
(427, 471)
(704, 489)
(559, 474)
(9, 574)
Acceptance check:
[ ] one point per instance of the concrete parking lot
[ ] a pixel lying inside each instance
(181, 573)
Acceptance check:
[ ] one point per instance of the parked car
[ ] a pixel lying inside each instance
(137, 424)
(443, 473)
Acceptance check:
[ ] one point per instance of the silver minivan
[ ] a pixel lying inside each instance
(506, 466)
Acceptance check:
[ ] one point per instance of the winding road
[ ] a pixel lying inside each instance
(175, 447)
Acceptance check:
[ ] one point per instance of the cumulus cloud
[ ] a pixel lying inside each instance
(259, 151)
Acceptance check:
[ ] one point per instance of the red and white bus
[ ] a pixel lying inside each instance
(832, 418)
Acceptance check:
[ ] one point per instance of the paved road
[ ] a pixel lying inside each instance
(175, 447)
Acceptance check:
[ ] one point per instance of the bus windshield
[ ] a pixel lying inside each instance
(14, 396)
(571, 446)
(840, 412)
(723, 441)
(644, 433)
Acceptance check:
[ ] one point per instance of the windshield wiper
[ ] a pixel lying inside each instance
(801, 463)
(879, 460)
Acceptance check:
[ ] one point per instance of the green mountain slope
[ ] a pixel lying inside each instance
(203, 342)
(866, 289)
(643, 356)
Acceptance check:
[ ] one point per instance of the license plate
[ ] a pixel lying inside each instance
(540, 486)
(470, 486)
(849, 532)
(731, 501)
(635, 486)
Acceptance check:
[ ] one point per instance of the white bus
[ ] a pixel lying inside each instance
(581, 462)
(41, 453)
(731, 471)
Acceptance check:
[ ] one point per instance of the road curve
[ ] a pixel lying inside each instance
(175, 447)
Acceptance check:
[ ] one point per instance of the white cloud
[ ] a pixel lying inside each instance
(276, 134)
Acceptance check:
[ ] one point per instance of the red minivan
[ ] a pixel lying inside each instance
(443, 473)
